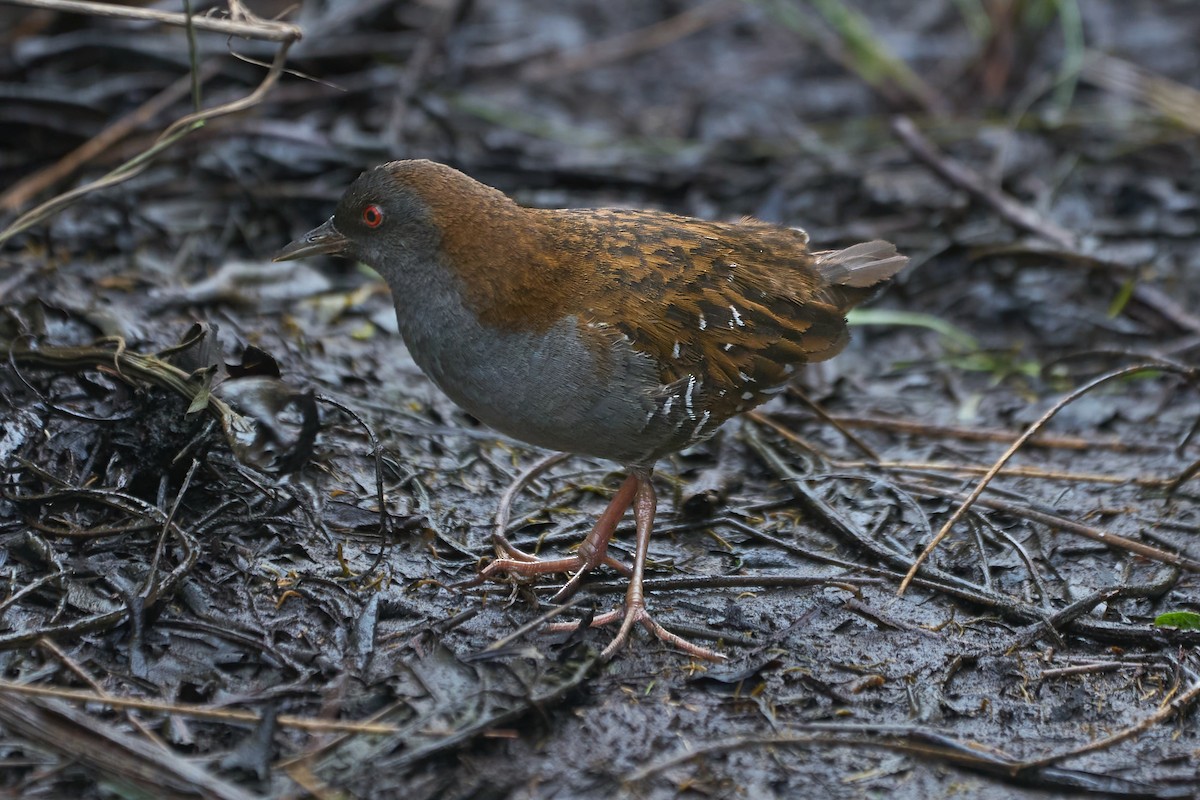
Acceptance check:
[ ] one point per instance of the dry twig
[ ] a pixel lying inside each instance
(959, 176)
(1016, 446)
(245, 25)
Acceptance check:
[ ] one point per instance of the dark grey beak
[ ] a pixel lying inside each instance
(322, 239)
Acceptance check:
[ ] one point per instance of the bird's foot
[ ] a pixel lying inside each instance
(592, 551)
(628, 617)
(514, 563)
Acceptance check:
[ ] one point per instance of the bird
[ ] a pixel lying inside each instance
(625, 335)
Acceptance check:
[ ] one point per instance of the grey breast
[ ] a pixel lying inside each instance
(547, 388)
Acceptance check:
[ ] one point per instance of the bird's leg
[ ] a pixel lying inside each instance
(592, 551)
(644, 505)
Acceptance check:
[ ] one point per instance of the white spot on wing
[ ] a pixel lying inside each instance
(737, 318)
(703, 321)
(703, 421)
(687, 397)
(745, 378)
(667, 406)
(675, 352)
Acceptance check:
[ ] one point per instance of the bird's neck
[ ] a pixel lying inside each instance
(509, 271)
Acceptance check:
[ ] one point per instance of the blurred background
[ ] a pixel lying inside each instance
(765, 108)
(1037, 160)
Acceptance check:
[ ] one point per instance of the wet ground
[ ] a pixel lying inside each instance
(1036, 160)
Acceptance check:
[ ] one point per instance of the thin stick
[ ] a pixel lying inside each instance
(25, 189)
(197, 711)
(1060, 442)
(180, 128)
(962, 177)
(1008, 454)
(1014, 471)
(504, 548)
(270, 30)
(1167, 710)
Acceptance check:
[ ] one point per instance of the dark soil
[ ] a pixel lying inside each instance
(1038, 161)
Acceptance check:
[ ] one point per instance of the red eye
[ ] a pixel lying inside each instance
(372, 216)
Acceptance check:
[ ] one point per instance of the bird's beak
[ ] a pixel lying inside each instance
(322, 239)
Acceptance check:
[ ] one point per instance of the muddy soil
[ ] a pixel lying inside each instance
(280, 599)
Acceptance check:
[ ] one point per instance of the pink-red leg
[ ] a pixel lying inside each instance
(638, 491)
(592, 551)
(644, 505)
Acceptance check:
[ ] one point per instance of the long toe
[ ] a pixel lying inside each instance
(629, 619)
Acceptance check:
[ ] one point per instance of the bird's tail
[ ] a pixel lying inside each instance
(860, 265)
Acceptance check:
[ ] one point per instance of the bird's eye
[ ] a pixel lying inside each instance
(372, 216)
